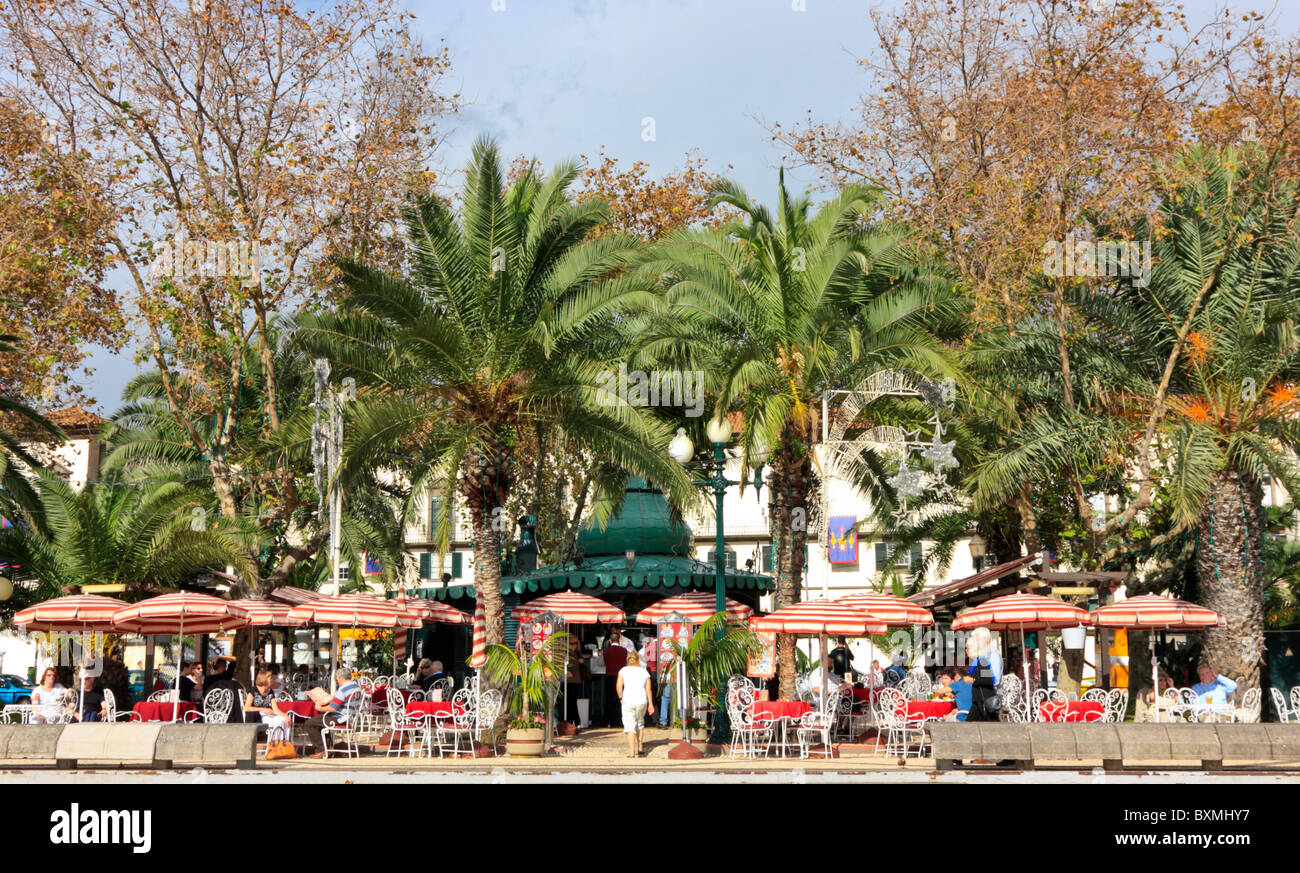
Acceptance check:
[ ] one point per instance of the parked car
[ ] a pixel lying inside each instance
(138, 690)
(14, 689)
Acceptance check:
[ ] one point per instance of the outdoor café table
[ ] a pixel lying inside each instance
(153, 710)
(433, 708)
(923, 710)
(784, 711)
(1072, 711)
(300, 708)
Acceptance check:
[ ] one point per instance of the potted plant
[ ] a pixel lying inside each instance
(529, 681)
(709, 660)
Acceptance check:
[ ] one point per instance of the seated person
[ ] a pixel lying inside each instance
(943, 689)
(260, 703)
(833, 683)
(223, 676)
(223, 670)
(1213, 689)
(189, 687)
(898, 669)
(962, 688)
(875, 678)
(92, 700)
(430, 672)
(49, 697)
(332, 709)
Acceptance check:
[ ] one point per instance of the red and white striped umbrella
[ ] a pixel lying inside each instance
(820, 617)
(572, 606)
(1160, 613)
(892, 610)
(77, 612)
(1025, 612)
(267, 613)
(355, 610)
(181, 613)
(1153, 612)
(478, 654)
(436, 611)
(696, 606)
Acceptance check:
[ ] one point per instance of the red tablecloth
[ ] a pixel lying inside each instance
(921, 709)
(379, 694)
(302, 708)
(866, 695)
(149, 710)
(1074, 710)
(769, 709)
(419, 708)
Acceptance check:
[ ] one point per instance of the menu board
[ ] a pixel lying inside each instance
(762, 664)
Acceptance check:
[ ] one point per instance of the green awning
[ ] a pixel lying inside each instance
(669, 573)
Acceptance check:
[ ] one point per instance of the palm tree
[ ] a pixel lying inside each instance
(139, 533)
(1215, 333)
(16, 461)
(777, 308)
(501, 324)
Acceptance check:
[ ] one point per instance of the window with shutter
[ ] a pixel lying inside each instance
(426, 565)
(768, 563)
(457, 564)
(915, 557)
(882, 556)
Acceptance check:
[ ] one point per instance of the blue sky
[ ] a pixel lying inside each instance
(560, 78)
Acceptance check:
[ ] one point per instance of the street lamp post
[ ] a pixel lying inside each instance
(681, 449)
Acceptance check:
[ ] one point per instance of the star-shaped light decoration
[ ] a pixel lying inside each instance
(939, 453)
(907, 483)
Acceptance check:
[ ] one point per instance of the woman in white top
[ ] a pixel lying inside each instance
(50, 696)
(633, 686)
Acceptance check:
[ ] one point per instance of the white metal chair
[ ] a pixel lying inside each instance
(815, 726)
(440, 689)
(110, 708)
(892, 714)
(347, 724)
(218, 706)
(1294, 695)
(487, 709)
(402, 729)
(916, 685)
(1284, 713)
(1249, 710)
(163, 696)
(1014, 706)
(449, 731)
(750, 736)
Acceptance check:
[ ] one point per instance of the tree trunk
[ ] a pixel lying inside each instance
(1070, 678)
(1230, 571)
(791, 467)
(487, 578)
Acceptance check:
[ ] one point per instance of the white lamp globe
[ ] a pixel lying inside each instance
(759, 452)
(6, 588)
(681, 449)
(718, 430)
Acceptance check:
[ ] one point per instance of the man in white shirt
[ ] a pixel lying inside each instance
(616, 638)
(833, 682)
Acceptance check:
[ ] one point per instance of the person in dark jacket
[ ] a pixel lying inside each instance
(984, 683)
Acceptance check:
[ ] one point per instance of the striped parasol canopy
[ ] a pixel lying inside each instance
(572, 606)
(183, 613)
(697, 606)
(478, 655)
(1025, 612)
(436, 611)
(1160, 613)
(892, 610)
(267, 613)
(77, 612)
(355, 610)
(820, 617)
